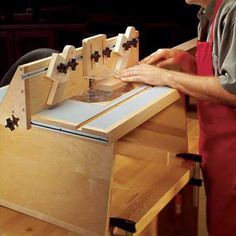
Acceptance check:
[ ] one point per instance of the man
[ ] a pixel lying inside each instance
(211, 78)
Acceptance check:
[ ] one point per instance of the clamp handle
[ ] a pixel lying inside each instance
(195, 182)
(124, 224)
(190, 156)
(195, 158)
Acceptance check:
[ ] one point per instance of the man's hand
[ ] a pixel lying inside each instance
(172, 59)
(144, 73)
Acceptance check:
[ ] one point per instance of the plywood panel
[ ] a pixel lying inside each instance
(142, 188)
(117, 122)
(159, 138)
(73, 113)
(61, 179)
(40, 87)
(15, 101)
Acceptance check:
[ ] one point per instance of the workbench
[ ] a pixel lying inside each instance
(74, 161)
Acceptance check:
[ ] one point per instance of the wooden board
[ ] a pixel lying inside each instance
(60, 79)
(119, 121)
(14, 223)
(31, 92)
(189, 46)
(25, 97)
(72, 113)
(123, 60)
(16, 102)
(142, 188)
(159, 138)
(95, 44)
(109, 84)
(62, 179)
(40, 87)
(119, 60)
(154, 143)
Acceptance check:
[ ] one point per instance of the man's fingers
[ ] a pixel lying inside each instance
(131, 79)
(166, 63)
(159, 55)
(134, 70)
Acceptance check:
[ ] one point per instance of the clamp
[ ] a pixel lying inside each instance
(195, 180)
(127, 225)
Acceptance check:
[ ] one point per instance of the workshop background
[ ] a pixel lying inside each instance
(30, 24)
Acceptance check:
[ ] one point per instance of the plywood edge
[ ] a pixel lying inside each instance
(46, 218)
(111, 41)
(28, 67)
(188, 45)
(3, 91)
(44, 62)
(53, 121)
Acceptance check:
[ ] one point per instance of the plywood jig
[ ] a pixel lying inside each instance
(82, 162)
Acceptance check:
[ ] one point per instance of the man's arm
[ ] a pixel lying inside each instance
(200, 87)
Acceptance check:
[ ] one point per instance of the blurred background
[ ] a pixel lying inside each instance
(26, 25)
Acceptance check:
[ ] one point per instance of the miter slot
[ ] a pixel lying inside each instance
(42, 70)
(34, 73)
(66, 131)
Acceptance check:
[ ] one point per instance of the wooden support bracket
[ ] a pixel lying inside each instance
(59, 69)
(15, 104)
(123, 48)
(93, 49)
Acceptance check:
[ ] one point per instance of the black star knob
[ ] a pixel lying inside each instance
(127, 45)
(107, 52)
(72, 63)
(62, 68)
(12, 123)
(134, 42)
(95, 56)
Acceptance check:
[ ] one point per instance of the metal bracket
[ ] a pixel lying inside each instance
(190, 156)
(195, 180)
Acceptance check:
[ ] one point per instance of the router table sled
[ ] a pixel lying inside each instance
(84, 151)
